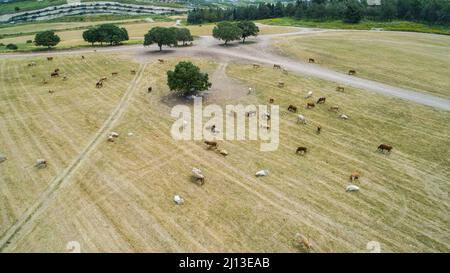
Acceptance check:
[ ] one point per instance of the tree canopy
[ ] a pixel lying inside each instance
(183, 35)
(46, 38)
(161, 36)
(187, 79)
(227, 31)
(106, 33)
(248, 29)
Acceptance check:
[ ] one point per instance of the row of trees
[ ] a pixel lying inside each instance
(228, 31)
(106, 33)
(169, 36)
(351, 11)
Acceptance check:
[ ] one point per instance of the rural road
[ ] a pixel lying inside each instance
(260, 52)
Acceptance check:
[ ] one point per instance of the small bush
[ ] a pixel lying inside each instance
(12, 47)
(29, 41)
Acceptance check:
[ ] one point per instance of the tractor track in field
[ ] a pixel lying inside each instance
(30, 213)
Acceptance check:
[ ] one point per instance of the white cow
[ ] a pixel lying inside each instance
(309, 95)
(262, 173)
(178, 199)
(301, 119)
(343, 116)
(351, 188)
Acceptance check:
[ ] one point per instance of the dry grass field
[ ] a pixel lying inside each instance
(410, 60)
(120, 198)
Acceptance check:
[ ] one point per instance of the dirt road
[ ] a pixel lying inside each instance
(260, 51)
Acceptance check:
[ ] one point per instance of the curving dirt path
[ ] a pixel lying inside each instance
(40, 204)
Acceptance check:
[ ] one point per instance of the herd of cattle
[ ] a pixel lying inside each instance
(197, 174)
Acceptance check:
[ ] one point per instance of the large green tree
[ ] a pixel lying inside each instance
(353, 12)
(184, 35)
(161, 36)
(248, 29)
(106, 33)
(46, 38)
(187, 79)
(227, 31)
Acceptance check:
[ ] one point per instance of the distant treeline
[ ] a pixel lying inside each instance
(351, 11)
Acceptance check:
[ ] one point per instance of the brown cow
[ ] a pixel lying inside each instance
(280, 84)
(352, 72)
(56, 70)
(354, 176)
(334, 108)
(99, 84)
(292, 109)
(319, 128)
(271, 100)
(384, 147)
(161, 61)
(276, 66)
(102, 79)
(321, 100)
(54, 74)
(49, 58)
(304, 242)
(311, 60)
(310, 105)
(51, 91)
(82, 57)
(301, 150)
(44, 81)
(133, 72)
(115, 73)
(256, 66)
(149, 90)
(211, 144)
(340, 88)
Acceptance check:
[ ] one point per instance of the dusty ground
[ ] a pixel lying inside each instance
(118, 197)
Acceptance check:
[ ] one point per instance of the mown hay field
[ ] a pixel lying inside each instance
(121, 196)
(411, 60)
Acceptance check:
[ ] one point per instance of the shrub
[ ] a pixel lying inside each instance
(12, 47)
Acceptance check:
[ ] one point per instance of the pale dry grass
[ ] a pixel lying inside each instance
(120, 199)
(410, 60)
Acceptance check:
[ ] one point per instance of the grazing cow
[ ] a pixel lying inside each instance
(149, 90)
(56, 70)
(285, 71)
(262, 173)
(304, 242)
(223, 152)
(309, 95)
(352, 72)
(343, 116)
(54, 74)
(115, 73)
(292, 108)
(102, 79)
(82, 57)
(276, 66)
(256, 66)
(301, 150)
(161, 61)
(281, 84)
(271, 100)
(334, 108)
(354, 176)
(311, 60)
(211, 144)
(49, 58)
(178, 200)
(340, 88)
(65, 78)
(351, 188)
(41, 163)
(133, 72)
(310, 105)
(99, 84)
(51, 91)
(32, 64)
(319, 128)
(385, 147)
(198, 175)
(321, 100)
(301, 119)
(44, 81)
